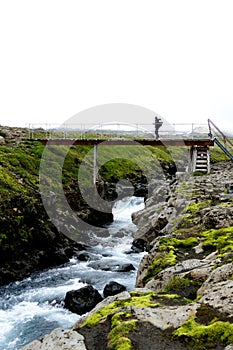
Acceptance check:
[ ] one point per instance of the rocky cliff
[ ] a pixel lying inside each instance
(29, 241)
(184, 291)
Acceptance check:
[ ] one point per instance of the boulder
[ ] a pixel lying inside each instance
(113, 288)
(229, 347)
(59, 339)
(187, 268)
(216, 291)
(138, 245)
(217, 217)
(125, 268)
(2, 140)
(82, 300)
(121, 296)
(108, 265)
(83, 256)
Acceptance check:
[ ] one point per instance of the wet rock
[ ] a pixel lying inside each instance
(126, 268)
(111, 266)
(113, 288)
(82, 300)
(138, 245)
(84, 256)
(121, 296)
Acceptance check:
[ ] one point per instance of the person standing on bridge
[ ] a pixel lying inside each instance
(158, 123)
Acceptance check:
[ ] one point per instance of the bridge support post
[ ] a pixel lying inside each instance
(95, 168)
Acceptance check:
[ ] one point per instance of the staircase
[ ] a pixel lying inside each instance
(200, 159)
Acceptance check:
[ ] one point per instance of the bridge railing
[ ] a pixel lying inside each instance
(117, 130)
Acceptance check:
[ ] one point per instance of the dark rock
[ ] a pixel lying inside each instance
(125, 268)
(111, 266)
(83, 256)
(113, 288)
(138, 245)
(103, 265)
(82, 300)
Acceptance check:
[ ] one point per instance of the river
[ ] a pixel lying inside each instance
(33, 307)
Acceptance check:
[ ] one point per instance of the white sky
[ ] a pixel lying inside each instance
(174, 57)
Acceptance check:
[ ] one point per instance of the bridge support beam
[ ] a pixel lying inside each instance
(95, 163)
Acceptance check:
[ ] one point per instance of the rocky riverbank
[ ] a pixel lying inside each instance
(184, 292)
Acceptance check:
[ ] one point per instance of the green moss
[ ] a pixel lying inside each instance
(121, 327)
(219, 239)
(196, 207)
(184, 287)
(166, 244)
(144, 300)
(119, 343)
(186, 222)
(178, 284)
(199, 173)
(205, 336)
(166, 255)
(161, 261)
(227, 205)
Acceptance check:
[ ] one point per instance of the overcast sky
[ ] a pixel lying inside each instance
(174, 57)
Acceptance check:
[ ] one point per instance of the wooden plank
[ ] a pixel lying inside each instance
(125, 142)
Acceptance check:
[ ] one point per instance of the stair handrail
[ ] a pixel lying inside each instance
(224, 149)
(225, 138)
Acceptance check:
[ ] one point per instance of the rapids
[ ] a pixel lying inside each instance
(34, 306)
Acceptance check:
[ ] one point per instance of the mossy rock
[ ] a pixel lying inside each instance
(122, 324)
(216, 333)
(184, 287)
(167, 255)
(220, 240)
(139, 300)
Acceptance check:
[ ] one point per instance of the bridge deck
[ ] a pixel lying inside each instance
(125, 142)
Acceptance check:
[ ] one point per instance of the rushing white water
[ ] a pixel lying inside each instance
(33, 307)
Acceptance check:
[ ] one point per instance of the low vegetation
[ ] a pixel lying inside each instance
(201, 336)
